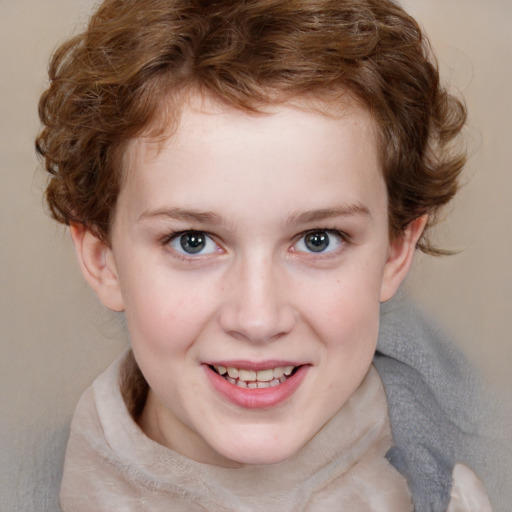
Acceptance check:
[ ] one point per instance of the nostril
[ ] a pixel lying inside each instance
(260, 330)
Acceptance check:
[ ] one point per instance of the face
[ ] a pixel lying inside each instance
(250, 254)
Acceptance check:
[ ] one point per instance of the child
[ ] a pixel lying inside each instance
(248, 181)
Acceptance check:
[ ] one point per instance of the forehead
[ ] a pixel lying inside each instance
(190, 116)
(284, 151)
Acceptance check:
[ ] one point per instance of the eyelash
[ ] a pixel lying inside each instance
(344, 240)
(343, 237)
(166, 241)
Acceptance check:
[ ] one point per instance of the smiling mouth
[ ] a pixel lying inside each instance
(251, 379)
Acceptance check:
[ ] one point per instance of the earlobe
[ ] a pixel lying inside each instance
(400, 258)
(98, 266)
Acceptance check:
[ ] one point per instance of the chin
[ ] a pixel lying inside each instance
(261, 458)
(262, 450)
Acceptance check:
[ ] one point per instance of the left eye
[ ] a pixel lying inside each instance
(192, 243)
(319, 241)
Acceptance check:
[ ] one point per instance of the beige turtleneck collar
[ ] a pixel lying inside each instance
(112, 465)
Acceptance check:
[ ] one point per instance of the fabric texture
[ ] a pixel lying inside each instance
(362, 460)
(468, 493)
(112, 465)
(433, 402)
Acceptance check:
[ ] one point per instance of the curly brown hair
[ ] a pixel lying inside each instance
(107, 86)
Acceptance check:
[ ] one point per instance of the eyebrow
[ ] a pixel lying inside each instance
(329, 213)
(206, 217)
(183, 214)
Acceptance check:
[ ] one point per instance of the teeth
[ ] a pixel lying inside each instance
(252, 379)
(233, 373)
(278, 372)
(247, 375)
(265, 375)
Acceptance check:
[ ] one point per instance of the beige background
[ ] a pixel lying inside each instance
(54, 337)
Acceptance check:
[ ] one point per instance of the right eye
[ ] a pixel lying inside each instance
(192, 243)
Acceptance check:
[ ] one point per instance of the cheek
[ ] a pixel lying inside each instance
(349, 296)
(345, 312)
(164, 315)
(350, 326)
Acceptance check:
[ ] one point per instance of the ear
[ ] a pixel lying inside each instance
(98, 266)
(400, 256)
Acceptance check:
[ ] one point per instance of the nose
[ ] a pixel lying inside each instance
(257, 306)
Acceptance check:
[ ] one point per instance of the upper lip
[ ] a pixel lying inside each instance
(254, 365)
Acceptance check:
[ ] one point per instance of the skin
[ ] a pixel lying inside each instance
(257, 293)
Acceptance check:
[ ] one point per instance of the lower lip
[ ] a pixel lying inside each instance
(256, 398)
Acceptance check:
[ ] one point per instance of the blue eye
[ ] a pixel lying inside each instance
(320, 241)
(193, 243)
